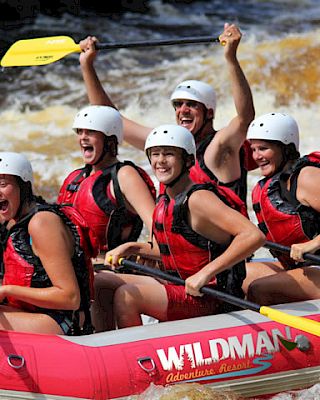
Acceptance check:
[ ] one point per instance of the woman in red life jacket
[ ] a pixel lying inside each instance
(287, 205)
(199, 237)
(44, 286)
(115, 198)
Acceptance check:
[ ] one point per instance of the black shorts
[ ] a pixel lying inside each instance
(63, 319)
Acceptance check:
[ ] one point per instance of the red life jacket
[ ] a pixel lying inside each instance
(233, 199)
(200, 173)
(23, 268)
(281, 217)
(71, 185)
(185, 251)
(105, 215)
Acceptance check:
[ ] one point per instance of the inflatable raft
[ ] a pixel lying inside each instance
(241, 351)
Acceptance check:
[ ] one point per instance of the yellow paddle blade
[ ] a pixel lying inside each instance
(39, 51)
(304, 324)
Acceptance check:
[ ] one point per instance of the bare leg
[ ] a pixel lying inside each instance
(105, 284)
(257, 270)
(13, 320)
(287, 286)
(132, 300)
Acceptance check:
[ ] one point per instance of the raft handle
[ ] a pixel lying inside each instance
(15, 357)
(142, 360)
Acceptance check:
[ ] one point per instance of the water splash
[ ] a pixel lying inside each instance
(186, 392)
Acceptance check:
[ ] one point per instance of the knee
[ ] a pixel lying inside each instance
(103, 298)
(125, 298)
(258, 292)
(98, 282)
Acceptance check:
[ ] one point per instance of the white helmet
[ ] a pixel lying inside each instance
(275, 126)
(16, 164)
(100, 118)
(196, 90)
(171, 135)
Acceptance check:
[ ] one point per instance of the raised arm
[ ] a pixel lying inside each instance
(229, 139)
(235, 132)
(134, 133)
(241, 91)
(95, 92)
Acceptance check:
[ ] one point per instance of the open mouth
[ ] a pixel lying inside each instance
(185, 121)
(4, 205)
(87, 150)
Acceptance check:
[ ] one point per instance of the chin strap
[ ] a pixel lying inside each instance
(103, 153)
(184, 170)
(197, 135)
(175, 180)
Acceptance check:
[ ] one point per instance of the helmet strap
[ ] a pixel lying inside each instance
(198, 135)
(26, 196)
(287, 156)
(184, 170)
(104, 151)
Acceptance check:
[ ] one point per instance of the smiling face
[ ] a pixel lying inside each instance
(91, 144)
(166, 163)
(190, 114)
(9, 197)
(268, 156)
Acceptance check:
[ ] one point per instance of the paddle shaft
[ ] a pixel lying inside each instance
(46, 50)
(157, 273)
(151, 43)
(301, 323)
(285, 249)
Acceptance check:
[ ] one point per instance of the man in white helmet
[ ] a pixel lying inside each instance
(287, 205)
(115, 198)
(199, 237)
(220, 155)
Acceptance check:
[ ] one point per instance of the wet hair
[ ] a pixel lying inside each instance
(111, 145)
(188, 159)
(26, 193)
(289, 151)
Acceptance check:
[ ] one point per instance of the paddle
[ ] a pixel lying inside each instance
(285, 249)
(46, 50)
(304, 324)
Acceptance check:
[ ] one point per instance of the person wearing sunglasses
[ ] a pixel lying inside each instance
(223, 156)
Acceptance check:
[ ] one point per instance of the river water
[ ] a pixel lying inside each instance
(279, 52)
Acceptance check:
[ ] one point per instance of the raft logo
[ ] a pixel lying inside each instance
(200, 361)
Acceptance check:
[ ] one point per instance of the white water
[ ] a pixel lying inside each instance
(41, 102)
